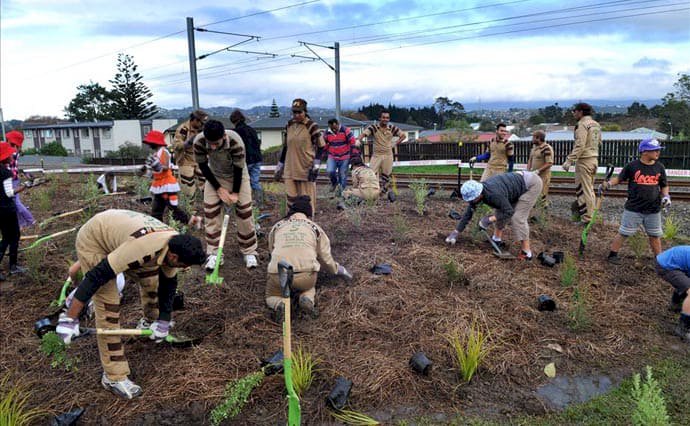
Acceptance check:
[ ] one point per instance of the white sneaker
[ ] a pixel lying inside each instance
(125, 388)
(196, 222)
(211, 262)
(452, 238)
(250, 261)
(143, 324)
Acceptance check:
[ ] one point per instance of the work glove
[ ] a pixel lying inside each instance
(566, 165)
(485, 222)
(344, 272)
(278, 174)
(160, 330)
(472, 161)
(452, 238)
(189, 142)
(67, 328)
(666, 202)
(314, 171)
(154, 163)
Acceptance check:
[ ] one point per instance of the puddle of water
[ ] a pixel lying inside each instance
(563, 391)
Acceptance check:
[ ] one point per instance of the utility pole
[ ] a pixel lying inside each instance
(2, 124)
(337, 80)
(192, 63)
(336, 69)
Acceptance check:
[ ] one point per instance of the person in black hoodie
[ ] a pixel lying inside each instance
(252, 147)
(512, 195)
(9, 223)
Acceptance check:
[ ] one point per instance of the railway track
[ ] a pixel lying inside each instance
(559, 185)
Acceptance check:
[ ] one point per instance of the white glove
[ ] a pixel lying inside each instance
(344, 272)
(67, 328)
(160, 330)
(666, 202)
(566, 165)
(452, 238)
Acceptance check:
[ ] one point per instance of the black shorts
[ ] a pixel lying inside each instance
(677, 278)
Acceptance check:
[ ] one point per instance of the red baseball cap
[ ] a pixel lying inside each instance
(154, 137)
(15, 138)
(6, 150)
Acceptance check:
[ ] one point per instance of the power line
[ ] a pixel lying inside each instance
(403, 36)
(261, 13)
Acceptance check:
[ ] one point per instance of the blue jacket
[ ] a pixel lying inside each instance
(675, 258)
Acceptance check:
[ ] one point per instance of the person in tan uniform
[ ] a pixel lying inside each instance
(541, 160)
(499, 153)
(145, 250)
(220, 155)
(382, 159)
(303, 149)
(191, 177)
(304, 245)
(585, 155)
(365, 184)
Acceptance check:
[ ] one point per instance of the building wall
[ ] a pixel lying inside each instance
(270, 138)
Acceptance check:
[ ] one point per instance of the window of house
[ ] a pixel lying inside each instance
(411, 136)
(65, 133)
(28, 135)
(107, 133)
(86, 152)
(85, 133)
(47, 133)
(258, 135)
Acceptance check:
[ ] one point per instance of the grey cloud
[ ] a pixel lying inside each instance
(646, 62)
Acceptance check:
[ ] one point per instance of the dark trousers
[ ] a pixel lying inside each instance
(9, 225)
(161, 201)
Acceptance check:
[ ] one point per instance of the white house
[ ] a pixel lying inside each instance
(95, 138)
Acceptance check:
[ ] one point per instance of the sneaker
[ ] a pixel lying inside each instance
(211, 262)
(250, 261)
(452, 238)
(307, 306)
(16, 269)
(501, 244)
(391, 196)
(523, 256)
(614, 260)
(143, 324)
(682, 332)
(125, 388)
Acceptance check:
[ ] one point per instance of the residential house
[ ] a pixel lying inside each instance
(92, 138)
(568, 135)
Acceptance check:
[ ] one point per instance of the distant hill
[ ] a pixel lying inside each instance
(252, 113)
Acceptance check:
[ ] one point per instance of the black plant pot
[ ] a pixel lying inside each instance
(559, 256)
(274, 364)
(178, 301)
(548, 260)
(341, 391)
(546, 303)
(421, 364)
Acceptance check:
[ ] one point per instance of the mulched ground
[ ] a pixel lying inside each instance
(368, 328)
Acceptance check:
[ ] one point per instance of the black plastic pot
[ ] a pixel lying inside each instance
(43, 326)
(274, 364)
(178, 301)
(68, 419)
(546, 303)
(559, 256)
(420, 363)
(337, 398)
(382, 269)
(546, 259)
(454, 214)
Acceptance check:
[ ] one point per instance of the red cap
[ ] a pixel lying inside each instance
(154, 137)
(6, 150)
(15, 138)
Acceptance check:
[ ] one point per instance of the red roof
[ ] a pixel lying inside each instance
(485, 137)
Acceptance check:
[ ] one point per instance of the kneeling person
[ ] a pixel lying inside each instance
(303, 244)
(148, 251)
(673, 265)
(365, 184)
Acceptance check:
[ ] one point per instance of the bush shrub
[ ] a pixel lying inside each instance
(54, 149)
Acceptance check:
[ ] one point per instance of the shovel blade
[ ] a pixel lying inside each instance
(504, 255)
(182, 341)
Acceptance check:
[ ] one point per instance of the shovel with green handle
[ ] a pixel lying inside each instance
(285, 275)
(214, 278)
(48, 237)
(174, 341)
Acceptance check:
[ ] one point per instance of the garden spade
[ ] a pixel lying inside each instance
(600, 197)
(43, 239)
(174, 341)
(213, 278)
(497, 250)
(285, 274)
(456, 191)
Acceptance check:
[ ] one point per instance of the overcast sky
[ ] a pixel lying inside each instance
(399, 51)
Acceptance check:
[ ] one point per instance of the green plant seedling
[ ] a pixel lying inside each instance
(650, 406)
(469, 349)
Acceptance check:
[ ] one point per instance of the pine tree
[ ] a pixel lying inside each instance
(130, 94)
(275, 113)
